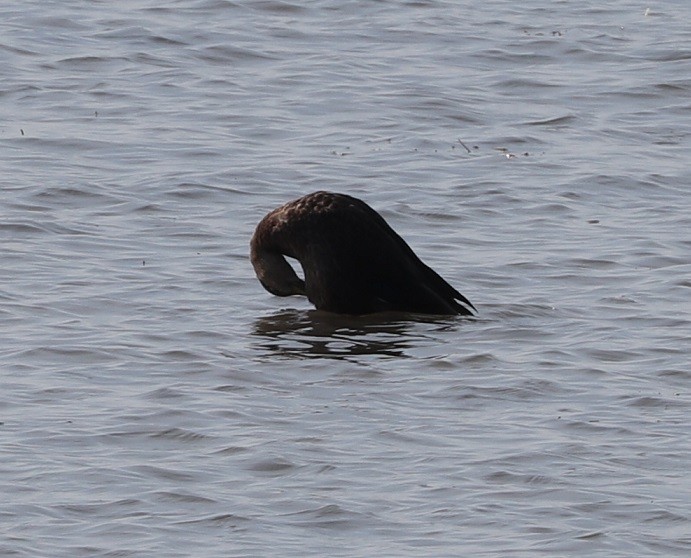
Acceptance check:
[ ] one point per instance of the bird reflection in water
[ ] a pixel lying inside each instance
(316, 334)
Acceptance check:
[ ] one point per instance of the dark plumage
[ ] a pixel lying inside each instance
(353, 261)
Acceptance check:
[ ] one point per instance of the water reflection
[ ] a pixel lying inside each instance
(315, 334)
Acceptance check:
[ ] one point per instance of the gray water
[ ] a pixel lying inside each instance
(156, 401)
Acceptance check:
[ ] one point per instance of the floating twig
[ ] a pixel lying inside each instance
(464, 145)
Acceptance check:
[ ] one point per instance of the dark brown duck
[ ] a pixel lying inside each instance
(353, 261)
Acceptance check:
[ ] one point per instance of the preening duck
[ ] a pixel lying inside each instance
(353, 261)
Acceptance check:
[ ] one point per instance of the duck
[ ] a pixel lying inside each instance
(353, 262)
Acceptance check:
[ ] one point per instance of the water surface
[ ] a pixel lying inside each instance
(156, 401)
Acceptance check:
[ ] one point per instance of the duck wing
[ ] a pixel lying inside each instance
(354, 262)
